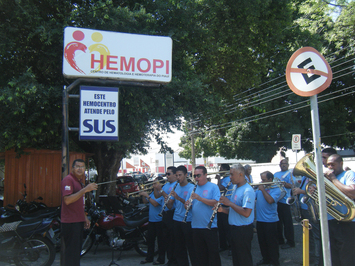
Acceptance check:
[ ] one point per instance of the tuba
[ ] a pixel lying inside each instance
(334, 197)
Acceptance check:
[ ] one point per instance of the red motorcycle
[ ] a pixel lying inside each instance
(117, 230)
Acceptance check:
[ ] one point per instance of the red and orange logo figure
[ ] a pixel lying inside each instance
(72, 47)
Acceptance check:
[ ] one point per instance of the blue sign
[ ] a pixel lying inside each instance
(98, 113)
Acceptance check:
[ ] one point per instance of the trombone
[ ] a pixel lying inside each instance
(146, 187)
(272, 184)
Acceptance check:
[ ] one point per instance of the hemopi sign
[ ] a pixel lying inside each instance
(98, 113)
(112, 55)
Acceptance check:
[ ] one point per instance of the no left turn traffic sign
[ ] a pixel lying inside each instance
(307, 72)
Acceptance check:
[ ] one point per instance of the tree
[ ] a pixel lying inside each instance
(220, 48)
(266, 116)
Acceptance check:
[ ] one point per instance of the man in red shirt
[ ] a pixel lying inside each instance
(73, 218)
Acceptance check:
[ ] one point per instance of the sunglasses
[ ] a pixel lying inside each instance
(198, 176)
(168, 174)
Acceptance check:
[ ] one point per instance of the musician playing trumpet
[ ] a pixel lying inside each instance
(182, 231)
(204, 199)
(240, 216)
(168, 213)
(341, 234)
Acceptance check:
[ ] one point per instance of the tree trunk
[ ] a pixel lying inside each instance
(108, 162)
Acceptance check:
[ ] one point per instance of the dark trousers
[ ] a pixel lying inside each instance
(268, 243)
(71, 241)
(206, 246)
(241, 237)
(223, 230)
(285, 224)
(155, 231)
(184, 243)
(342, 242)
(168, 230)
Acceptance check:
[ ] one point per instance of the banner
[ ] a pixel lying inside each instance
(113, 55)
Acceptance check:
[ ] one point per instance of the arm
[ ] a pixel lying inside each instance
(266, 195)
(348, 190)
(147, 198)
(209, 202)
(238, 209)
(69, 199)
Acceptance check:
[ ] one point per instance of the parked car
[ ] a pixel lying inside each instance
(126, 184)
(140, 178)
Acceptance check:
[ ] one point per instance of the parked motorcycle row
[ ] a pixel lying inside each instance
(30, 231)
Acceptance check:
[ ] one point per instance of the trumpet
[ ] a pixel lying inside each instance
(274, 184)
(334, 197)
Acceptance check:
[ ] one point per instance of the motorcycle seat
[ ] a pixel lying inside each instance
(39, 214)
(7, 227)
(136, 223)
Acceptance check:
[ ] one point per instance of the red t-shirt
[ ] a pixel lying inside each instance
(73, 212)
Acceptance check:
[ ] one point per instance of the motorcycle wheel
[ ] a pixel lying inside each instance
(88, 242)
(36, 251)
(142, 247)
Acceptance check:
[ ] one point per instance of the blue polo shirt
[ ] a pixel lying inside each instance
(243, 196)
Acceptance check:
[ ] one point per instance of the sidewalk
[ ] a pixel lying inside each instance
(289, 257)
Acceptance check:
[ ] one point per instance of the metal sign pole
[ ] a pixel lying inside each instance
(320, 182)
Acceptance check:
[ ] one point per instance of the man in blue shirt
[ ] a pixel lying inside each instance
(168, 214)
(182, 231)
(341, 234)
(222, 218)
(267, 218)
(241, 216)
(154, 227)
(285, 224)
(204, 199)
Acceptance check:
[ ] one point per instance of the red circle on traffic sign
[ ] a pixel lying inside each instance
(307, 72)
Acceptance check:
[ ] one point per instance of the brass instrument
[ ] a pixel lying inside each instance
(313, 208)
(334, 197)
(145, 187)
(294, 203)
(274, 184)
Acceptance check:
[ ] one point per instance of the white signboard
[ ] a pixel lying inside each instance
(296, 142)
(169, 159)
(98, 113)
(307, 72)
(103, 54)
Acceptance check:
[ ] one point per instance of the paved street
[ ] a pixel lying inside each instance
(290, 257)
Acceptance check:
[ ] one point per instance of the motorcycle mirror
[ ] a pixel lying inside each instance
(40, 198)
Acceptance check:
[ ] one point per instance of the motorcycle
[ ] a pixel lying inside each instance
(29, 207)
(117, 230)
(27, 242)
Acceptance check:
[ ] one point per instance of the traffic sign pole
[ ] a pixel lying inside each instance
(320, 182)
(307, 74)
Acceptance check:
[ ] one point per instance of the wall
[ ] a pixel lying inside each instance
(40, 170)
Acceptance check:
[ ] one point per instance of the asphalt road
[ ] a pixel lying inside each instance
(103, 256)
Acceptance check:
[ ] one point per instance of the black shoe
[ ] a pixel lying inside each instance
(287, 245)
(146, 261)
(262, 262)
(158, 263)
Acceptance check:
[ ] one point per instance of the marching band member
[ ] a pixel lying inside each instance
(182, 231)
(341, 234)
(204, 199)
(168, 214)
(241, 216)
(314, 234)
(222, 218)
(154, 226)
(267, 218)
(285, 223)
